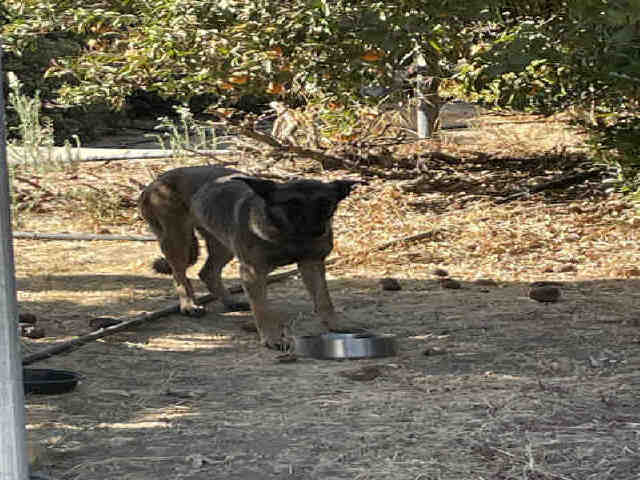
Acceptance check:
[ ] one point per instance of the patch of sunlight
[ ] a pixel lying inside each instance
(167, 413)
(49, 425)
(157, 419)
(134, 425)
(421, 337)
(187, 342)
(41, 407)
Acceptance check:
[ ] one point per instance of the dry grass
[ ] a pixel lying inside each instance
(517, 135)
(509, 389)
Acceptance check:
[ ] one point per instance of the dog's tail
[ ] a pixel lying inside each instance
(161, 264)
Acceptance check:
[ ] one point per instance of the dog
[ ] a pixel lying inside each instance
(264, 224)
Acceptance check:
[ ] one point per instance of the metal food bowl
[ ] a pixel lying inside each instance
(340, 345)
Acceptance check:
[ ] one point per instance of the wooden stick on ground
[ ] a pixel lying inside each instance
(132, 322)
(561, 181)
(90, 337)
(419, 236)
(209, 154)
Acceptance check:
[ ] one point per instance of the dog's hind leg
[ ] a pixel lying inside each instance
(166, 215)
(161, 264)
(180, 250)
(314, 278)
(211, 272)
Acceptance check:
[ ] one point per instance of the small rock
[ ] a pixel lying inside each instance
(30, 331)
(198, 461)
(546, 294)
(364, 374)
(27, 318)
(594, 362)
(434, 351)
(103, 322)
(568, 268)
(486, 282)
(390, 284)
(450, 283)
(440, 272)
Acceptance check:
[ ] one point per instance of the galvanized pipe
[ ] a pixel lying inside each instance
(13, 452)
(422, 119)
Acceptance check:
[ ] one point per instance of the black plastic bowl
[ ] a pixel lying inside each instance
(45, 381)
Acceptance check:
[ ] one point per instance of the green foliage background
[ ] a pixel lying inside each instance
(539, 55)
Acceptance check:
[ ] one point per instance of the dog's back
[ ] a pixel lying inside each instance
(186, 181)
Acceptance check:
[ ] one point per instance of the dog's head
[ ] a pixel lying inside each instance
(301, 208)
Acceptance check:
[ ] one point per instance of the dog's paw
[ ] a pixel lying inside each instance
(237, 307)
(279, 344)
(194, 312)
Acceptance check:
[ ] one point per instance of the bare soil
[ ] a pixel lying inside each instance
(487, 383)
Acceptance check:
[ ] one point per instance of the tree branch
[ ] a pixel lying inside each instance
(561, 181)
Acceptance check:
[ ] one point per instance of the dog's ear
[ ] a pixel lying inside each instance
(262, 187)
(343, 187)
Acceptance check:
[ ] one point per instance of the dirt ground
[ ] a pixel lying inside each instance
(487, 383)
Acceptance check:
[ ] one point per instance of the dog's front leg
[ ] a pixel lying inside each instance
(187, 299)
(268, 323)
(314, 278)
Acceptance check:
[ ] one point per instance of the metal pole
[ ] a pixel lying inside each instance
(13, 452)
(422, 119)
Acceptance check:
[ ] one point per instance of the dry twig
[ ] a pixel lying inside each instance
(82, 236)
(33, 184)
(562, 181)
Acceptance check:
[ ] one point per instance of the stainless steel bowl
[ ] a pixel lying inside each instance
(337, 345)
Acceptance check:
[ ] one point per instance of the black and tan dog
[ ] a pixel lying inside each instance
(263, 223)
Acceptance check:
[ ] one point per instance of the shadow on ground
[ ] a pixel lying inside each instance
(486, 384)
